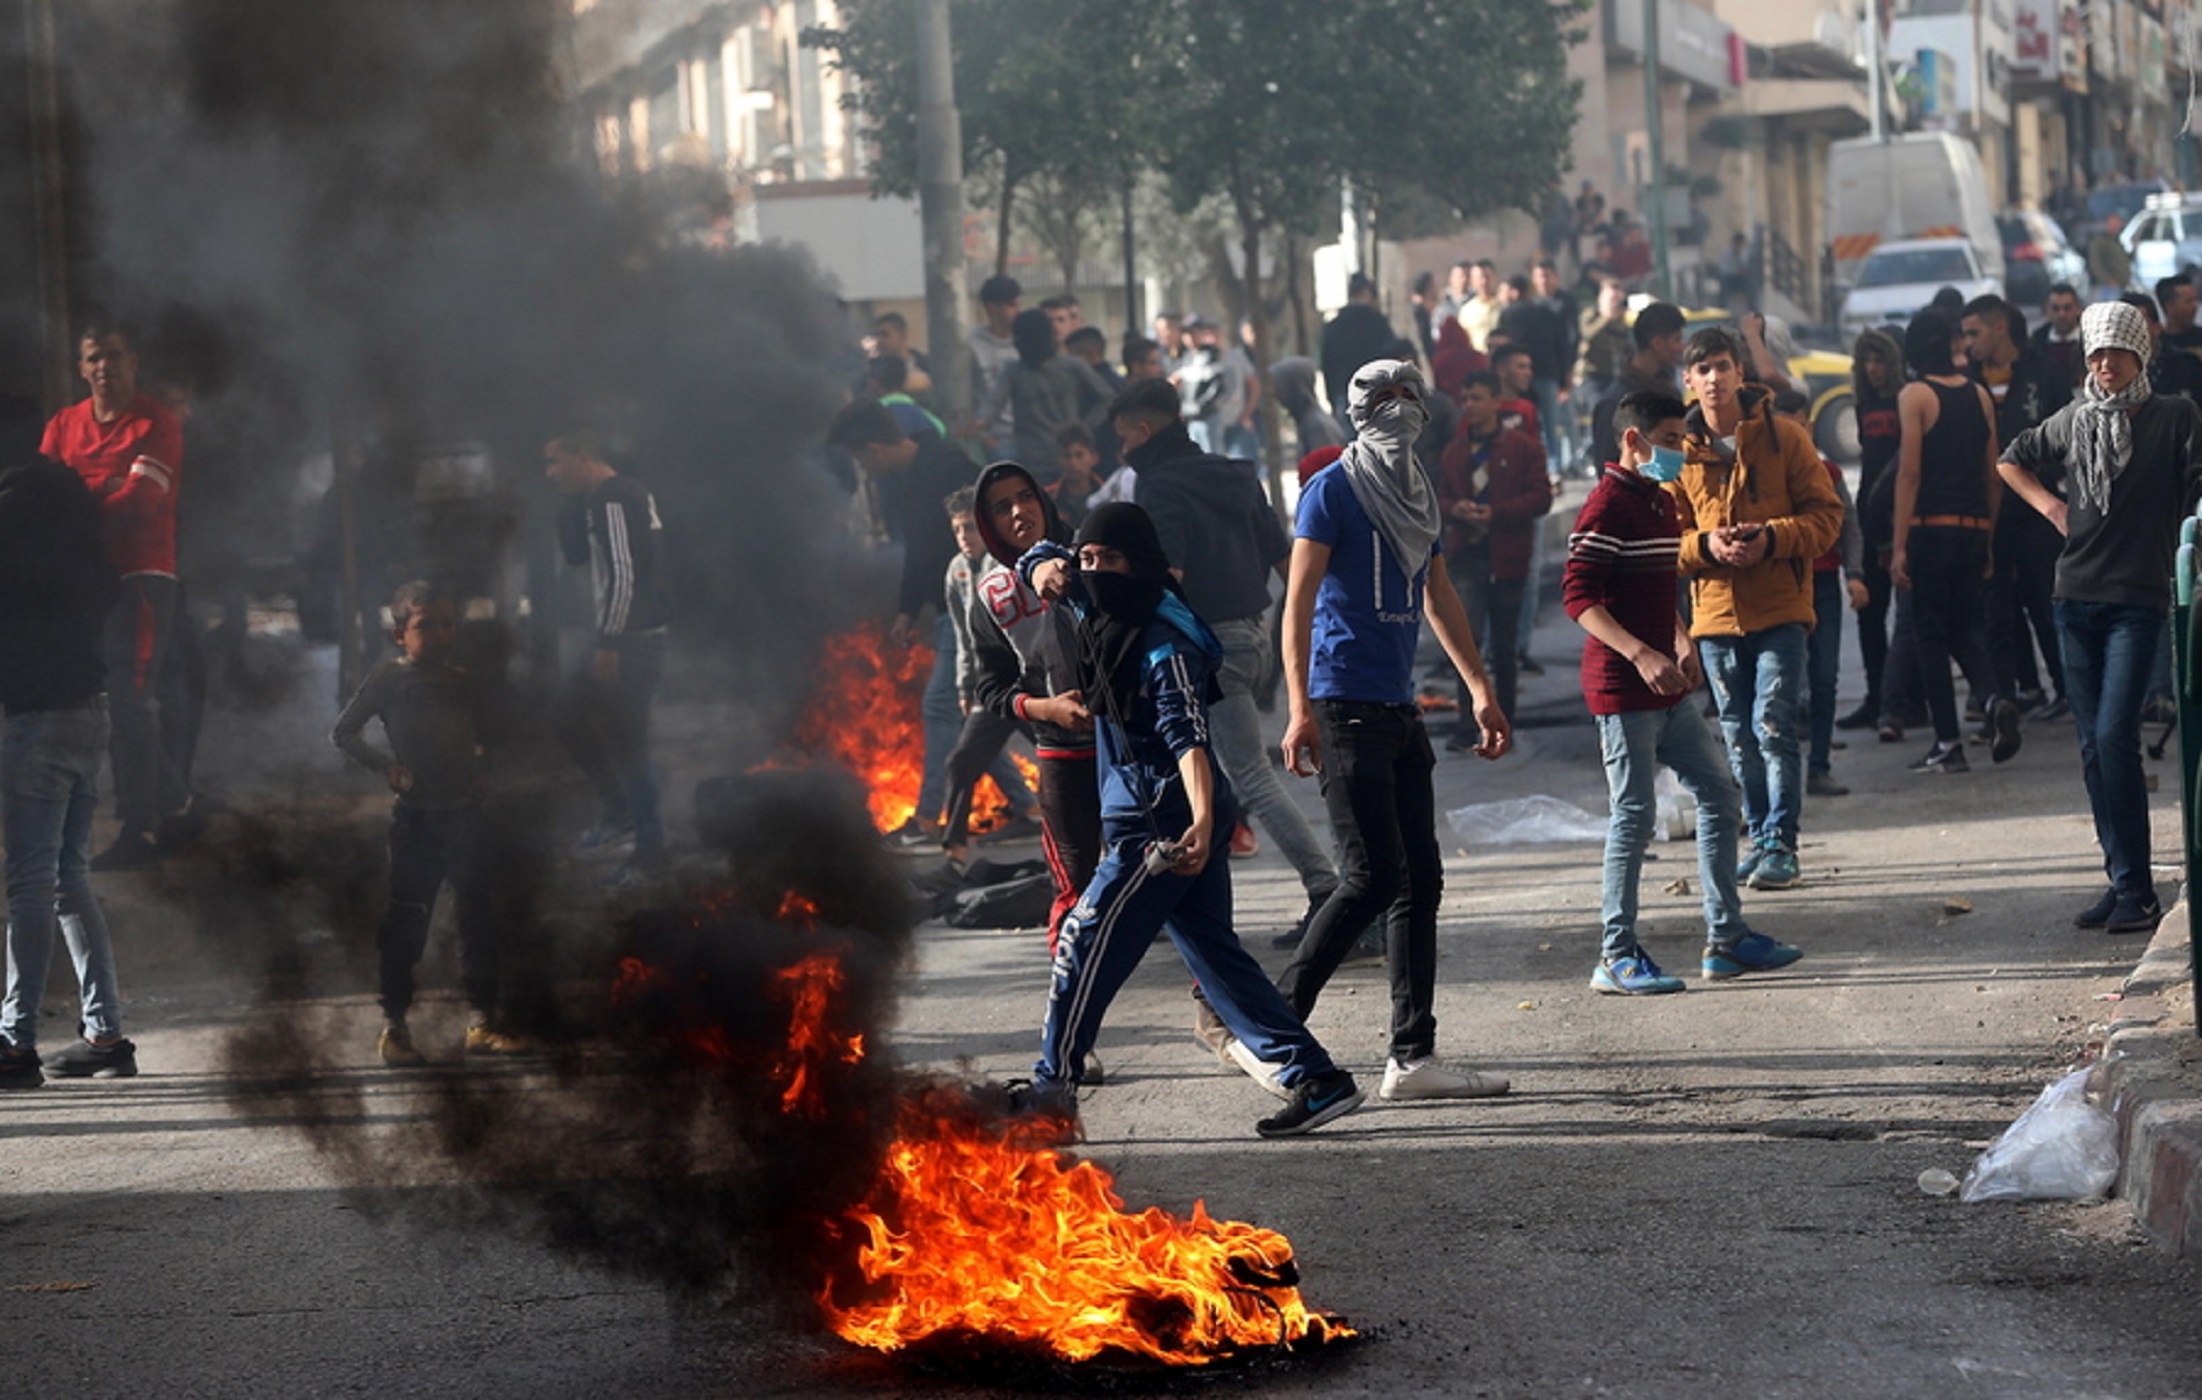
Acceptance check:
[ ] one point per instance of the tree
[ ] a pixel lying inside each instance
(1045, 90)
(1274, 103)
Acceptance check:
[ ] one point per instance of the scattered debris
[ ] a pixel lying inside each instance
(1677, 887)
(58, 1286)
(1956, 904)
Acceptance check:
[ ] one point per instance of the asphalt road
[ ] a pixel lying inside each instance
(1710, 1193)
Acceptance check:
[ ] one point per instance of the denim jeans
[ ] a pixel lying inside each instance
(1494, 608)
(1235, 729)
(49, 767)
(946, 732)
(1559, 440)
(607, 729)
(1824, 663)
(1376, 783)
(1634, 745)
(1755, 679)
(2109, 652)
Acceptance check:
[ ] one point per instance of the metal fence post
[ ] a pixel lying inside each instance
(2185, 656)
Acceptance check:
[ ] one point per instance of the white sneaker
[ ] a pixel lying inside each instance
(1427, 1079)
(1259, 1070)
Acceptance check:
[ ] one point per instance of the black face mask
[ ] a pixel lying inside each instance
(1124, 598)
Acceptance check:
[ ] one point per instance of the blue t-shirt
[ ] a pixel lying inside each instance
(1368, 612)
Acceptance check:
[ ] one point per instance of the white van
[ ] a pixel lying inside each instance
(1922, 184)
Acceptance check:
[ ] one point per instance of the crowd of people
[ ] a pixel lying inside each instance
(97, 669)
(2013, 521)
(1101, 562)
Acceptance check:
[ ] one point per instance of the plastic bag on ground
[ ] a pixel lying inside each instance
(1677, 819)
(1520, 821)
(2062, 1148)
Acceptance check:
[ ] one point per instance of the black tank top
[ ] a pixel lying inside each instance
(1952, 454)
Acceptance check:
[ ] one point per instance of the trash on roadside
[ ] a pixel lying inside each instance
(1956, 904)
(1520, 821)
(1525, 1006)
(1676, 887)
(1936, 1182)
(2062, 1148)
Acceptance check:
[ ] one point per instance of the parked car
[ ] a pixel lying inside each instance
(2163, 238)
(2126, 201)
(2036, 257)
(1897, 279)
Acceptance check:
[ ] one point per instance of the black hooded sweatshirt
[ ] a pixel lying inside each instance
(1214, 522)
(56, 588)
(1022, 649)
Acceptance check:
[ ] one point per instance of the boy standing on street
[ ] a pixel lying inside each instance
(1639, 671)
(431, 713)
(56, 592)
(1365, 566)
(1755, 510)
(2132, 461)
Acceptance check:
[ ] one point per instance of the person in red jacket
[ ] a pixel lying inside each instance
(128, 448)
(1492, 489)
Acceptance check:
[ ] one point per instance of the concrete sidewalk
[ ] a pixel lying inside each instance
(2153, 1083)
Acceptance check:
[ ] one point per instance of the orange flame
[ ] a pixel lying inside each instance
(863, 714)
(1015, 1243)
(809, 988)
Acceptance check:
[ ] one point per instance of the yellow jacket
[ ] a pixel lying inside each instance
(1776, 480)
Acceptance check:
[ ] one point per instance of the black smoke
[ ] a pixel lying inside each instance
(367, 230)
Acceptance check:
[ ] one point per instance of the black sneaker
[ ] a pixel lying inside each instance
(1018, 828)
(2097, 914)
(2134, 913)
(1049, 1115)
(134, 849)
(2003, 725)
(84, 1060)
(1866, 716)
(19, 1068)
(1316, 1100)
(1943, 758)
(1291, 937)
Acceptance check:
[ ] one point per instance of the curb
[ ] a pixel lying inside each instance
(2152, 1067)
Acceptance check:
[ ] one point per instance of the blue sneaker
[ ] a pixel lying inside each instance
(1754, 952)
(1777, 870)
(1633, 974)
(1749, 865)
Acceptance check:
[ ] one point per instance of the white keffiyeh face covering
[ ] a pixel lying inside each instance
(1386, 405)
(2102, 441)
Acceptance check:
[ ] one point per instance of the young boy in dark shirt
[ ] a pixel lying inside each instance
(431, 713)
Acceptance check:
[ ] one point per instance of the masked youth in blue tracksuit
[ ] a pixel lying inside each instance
(1148, 668)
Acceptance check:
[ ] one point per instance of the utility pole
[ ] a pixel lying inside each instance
(1131, 258)
(42, 58)
(940, 206)
(1876, 66)
(1654, 119)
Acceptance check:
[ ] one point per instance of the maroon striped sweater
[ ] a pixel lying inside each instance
(1622, 554)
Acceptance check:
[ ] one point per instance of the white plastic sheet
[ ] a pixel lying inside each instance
(2062, 1148)
(1520, 821)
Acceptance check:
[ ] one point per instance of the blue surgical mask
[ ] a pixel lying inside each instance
(1665, 464)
